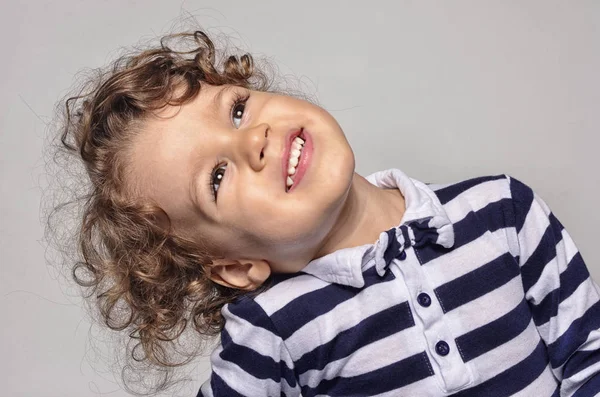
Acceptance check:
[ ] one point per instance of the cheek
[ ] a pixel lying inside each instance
(270, 222)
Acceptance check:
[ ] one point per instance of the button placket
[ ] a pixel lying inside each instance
(450, 371)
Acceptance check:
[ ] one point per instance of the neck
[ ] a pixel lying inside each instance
(368, 211)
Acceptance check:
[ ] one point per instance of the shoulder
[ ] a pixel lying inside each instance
(281, 292)
(290, 303)
(490, 186)
(482, 189)
(486, 201)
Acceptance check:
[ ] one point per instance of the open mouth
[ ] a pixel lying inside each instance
(295, 159)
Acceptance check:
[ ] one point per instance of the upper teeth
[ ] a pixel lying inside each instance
(295, 151)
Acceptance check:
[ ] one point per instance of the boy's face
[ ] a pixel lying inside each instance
(243, 152)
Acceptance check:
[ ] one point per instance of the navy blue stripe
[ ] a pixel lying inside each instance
(513, 379)
(492, 215)
(371, 329)
(575, 274)
(522, 196)
(580, 361)
(475, 223)
(465, 231)
(556, 392)
(477, 283)
(254, 363)
(578, 332)
(246, 308)
(545, 251)
(491, 335)
(276, 278)
(220, 388)
(309, 306)
(407, 371)
(448, 193)
(430, 252)
(406, 237)
(394, 245)
(589, 388)
(470, 228)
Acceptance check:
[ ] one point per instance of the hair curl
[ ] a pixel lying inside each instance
(144, 277)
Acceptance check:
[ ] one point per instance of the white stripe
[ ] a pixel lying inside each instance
(258, 339)
(536, 223)
(427, 387)
(438, 186)
(241, 381)
(461, 260)
(569, 310)
(206, 389)
(289, 390)
(570, 249)
(592, 343)
(369, 358)
(485, 309)
(506, 355)
(544, 385)
(570, 385)
(476, 198)
(286, 291)
(549, 279)
(347, 314)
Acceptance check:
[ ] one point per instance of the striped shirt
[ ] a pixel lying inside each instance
(480, 291)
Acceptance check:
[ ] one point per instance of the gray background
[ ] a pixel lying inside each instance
(444, 91)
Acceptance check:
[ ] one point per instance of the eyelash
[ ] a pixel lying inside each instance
(238, 98)
(212, 178)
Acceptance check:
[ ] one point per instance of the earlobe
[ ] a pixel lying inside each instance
(244, 274)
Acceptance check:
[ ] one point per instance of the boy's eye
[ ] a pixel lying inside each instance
(237, 113)
(238, 107)
(216, 178)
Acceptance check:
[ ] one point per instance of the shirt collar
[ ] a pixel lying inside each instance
(345, 266)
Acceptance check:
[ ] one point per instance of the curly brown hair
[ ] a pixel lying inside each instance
(143, 276)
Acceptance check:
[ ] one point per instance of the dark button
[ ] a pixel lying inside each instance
(442, 348)
(424, 299)
(402, 255)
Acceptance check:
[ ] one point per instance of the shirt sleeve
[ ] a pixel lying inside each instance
(252, 359)
(563, 298)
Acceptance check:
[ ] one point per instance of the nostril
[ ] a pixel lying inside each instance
(262, 154)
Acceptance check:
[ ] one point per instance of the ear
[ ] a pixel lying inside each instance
(245, 274)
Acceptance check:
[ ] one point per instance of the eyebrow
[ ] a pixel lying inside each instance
(217, 99)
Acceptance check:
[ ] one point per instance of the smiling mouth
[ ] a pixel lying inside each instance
(293, 160)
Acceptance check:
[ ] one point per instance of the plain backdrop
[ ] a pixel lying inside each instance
(442, 90)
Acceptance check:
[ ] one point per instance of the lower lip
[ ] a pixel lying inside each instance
(303, 161)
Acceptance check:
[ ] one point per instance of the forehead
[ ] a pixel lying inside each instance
(170, 122)
(205, 102)
(162, 151)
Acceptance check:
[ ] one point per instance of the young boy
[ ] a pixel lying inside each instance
(335, 284)
(471, 288)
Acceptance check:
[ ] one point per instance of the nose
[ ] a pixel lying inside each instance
(252, 144)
